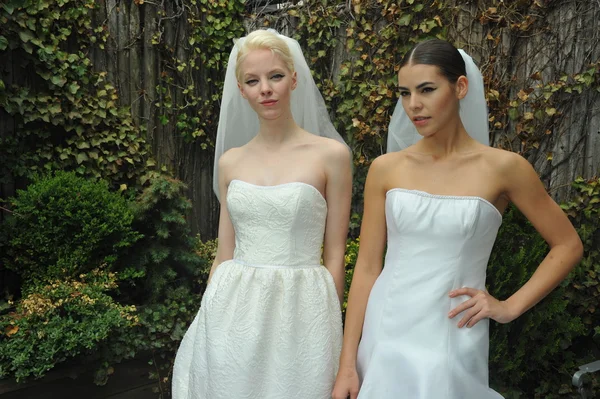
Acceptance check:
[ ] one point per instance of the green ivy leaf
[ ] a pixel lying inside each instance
(10, 7)
(26, 35)
(3, 43)
(58, 80)
(28, 48)
(81, 157)
(55, 109)
(405, 20)
(73, 87)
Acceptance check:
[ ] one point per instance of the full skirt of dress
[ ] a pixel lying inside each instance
(262, 333)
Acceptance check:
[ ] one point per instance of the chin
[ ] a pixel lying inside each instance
(425, 133)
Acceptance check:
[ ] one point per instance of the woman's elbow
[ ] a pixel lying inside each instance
(576, 248)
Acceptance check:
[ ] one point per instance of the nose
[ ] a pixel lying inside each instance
(265, 87)
(414, 102)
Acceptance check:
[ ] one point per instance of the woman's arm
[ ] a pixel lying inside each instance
(226, 234)
(338, 192)
(367, 269)
(524, 188)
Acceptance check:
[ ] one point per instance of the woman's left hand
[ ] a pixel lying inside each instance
(481, 305)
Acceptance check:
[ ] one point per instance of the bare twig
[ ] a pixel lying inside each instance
(9, 211)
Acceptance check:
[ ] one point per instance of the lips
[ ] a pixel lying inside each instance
(420, 120)
(268, 102)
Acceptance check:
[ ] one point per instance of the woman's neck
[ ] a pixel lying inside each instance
(277, 131)
(452, 140)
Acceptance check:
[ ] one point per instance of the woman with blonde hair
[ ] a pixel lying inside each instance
(269, 325)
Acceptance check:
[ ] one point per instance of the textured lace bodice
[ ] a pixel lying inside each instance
(280, 225)
(269, 325)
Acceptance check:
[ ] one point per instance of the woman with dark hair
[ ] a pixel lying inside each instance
(419, 328)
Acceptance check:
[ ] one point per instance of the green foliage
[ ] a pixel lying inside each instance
(66, 114)
(198, 79)
(163, 323)
(532, 106)
(64, 225)
(584, 283)
(584, 211)
(166, 255)
(537, 346)
(350, 262)
(207, 250)
(67, 318)
(72, 318)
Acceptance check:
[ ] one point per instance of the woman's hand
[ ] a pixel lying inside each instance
(346, 384)
(481, 305)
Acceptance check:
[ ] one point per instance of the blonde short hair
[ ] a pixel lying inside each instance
(263, 40)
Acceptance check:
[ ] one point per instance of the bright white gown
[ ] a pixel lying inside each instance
(409, 347)
(269, 324)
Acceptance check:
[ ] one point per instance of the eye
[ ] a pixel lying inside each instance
(251, 82)
(277, 76)
(404, 93)
(428, 89)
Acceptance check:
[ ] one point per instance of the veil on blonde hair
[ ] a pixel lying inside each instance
(238, 123)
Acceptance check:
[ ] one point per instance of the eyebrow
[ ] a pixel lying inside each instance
(275, 70)
(418, 87)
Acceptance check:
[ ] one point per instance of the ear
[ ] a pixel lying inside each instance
(241, 90)
(294, 80)
(461, 87)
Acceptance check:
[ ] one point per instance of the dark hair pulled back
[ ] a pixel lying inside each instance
(438, 53)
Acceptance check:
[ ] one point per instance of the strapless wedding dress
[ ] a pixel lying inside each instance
(410, 348)
(269, 324)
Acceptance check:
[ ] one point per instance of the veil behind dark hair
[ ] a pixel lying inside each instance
(473, 112)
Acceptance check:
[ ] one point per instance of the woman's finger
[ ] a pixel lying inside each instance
(469, 315)
(469, 303)
(479, 316)
(464, 291)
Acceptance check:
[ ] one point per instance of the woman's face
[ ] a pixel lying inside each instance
(267, 84)
(429, 99)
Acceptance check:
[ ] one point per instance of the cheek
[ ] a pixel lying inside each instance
(445, 104)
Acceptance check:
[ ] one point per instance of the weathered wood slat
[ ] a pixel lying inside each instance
(149, 69)
(135, 66)
(111, 45)
(123, 50)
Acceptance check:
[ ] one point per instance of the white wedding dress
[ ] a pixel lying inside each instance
(410, 348)
(269, 324)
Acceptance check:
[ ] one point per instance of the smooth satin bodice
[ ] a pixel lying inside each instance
(410, 348)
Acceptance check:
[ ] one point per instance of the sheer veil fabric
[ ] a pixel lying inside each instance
(473, 113)
(238, 122)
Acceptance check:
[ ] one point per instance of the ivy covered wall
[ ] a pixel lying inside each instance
(117, 88)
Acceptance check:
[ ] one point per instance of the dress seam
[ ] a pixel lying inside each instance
(451, 321)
